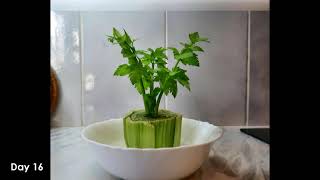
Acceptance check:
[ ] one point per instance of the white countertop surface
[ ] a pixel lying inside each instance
(237, 156)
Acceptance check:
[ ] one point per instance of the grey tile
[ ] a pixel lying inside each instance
(218, 87)
(106, 96)
(259, 69)
(65, 60)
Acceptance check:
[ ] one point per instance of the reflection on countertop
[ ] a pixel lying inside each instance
(235, 156)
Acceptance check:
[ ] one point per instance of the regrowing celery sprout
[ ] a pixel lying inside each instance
(149, 74)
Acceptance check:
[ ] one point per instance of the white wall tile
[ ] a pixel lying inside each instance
(107, 96)
(218, 86)
(65, 60)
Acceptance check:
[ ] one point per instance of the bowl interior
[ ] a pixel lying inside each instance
(110, 132)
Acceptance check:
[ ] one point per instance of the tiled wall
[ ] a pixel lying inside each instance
(231, 87)
(218, 87)
(259, 69)
(113, 96)
(66, 61)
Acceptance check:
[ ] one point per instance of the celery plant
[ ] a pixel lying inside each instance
(148, 72)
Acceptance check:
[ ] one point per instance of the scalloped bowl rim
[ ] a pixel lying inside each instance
(148, 149)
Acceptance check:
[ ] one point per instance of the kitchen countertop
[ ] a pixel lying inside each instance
(237, 156)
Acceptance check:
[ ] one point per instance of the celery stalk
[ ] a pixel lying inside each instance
(177, 131)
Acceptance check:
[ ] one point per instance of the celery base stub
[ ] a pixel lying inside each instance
(141, 131)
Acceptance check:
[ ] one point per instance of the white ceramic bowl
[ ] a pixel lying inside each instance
(107, 143)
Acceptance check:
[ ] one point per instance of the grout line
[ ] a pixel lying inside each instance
(81, 67)
(166, 46)
(248, 70)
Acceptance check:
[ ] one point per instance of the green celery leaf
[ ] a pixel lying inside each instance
(193, 61)
(151, 50)
(174, 50)
(197, 48)
(135, 75)
(194, 37)
(127, 53)
(142, 52)
(116, 33)
(128, 39)
(156, 91)
(204, 40)
(122, 70)
(132, 60)
(174, 88)
(184, 55)
(185, 45)
(139, 87)
(160, 49)
(146, 83)
(111, 39)
(173, 73)
(161, 65)
(145, 61)
(150, 70)
(184, 83)
(162, 75)
(160, 61)
(160, 53)
(182, 77)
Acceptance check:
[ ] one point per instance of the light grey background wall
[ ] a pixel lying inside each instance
(231, 87)
(65, 60)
